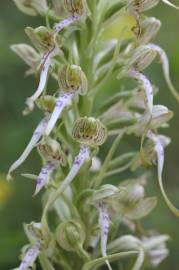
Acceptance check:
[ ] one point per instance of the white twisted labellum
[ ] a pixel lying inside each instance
(44, 175)
(165, 65)
(80, 159)
(146, 85)
(35, 138)
(63, 101)
(30, 257)
(66, 22)
(159, 148)
(45, 64)
(104, 229)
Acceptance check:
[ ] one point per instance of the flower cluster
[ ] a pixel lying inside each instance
(83, 47)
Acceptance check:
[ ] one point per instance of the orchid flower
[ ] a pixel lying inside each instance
(45, 64)
(73, 81)
(160, 142)
(35, 138)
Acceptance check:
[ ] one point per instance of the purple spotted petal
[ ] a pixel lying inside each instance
(146, 85)
(63, 101)
(104, 229)
(30, 257)
(66, 22)
(45, 174)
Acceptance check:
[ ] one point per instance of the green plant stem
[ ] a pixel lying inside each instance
(97, 180)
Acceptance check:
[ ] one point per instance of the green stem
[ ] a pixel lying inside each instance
(97, 180)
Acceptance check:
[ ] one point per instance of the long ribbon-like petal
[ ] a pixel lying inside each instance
(45, 64)
(80, 159)
(63, 101)
(104, 229)
(64, 23)
(30, 257)
(165, 66)
(44, 175)
(160, 157)
(170, 4)
(146, 85)
(35, 138)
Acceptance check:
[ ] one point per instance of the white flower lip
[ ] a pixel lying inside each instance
(30, 257)
(63, 101)
(45, 174)
(35, 138)
(45, 65)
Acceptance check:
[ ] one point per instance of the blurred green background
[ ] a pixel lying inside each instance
(16, 202)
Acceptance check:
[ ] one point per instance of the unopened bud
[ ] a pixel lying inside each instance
(70, 235)
(32, 7)
(149, 28)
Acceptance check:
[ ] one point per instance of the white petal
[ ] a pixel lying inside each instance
(44, 175)
(66, 22)
(160, 157)
(170, 4)
(63, 101)
(45, 64)
(35, 138)
(104, 229)
(80, 159)
(165, 66)
(146, 85)
(30, 257)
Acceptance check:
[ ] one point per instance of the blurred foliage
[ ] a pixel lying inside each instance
(16, 202)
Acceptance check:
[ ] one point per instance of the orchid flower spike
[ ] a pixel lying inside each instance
(165, 66)
(34, 140)
(72, 81)
(160, 142)
(51, 152)
(77, 9)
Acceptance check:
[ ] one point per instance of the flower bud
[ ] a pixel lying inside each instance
(90, 131)
(149, 28)
(51, 150)
(75, 7)
(32, 7)
(104, 192)
(40, 37)
(73, 79)
(27, 54)
(70, 235)
(141, 5)
(46, 103)
(141, 58)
